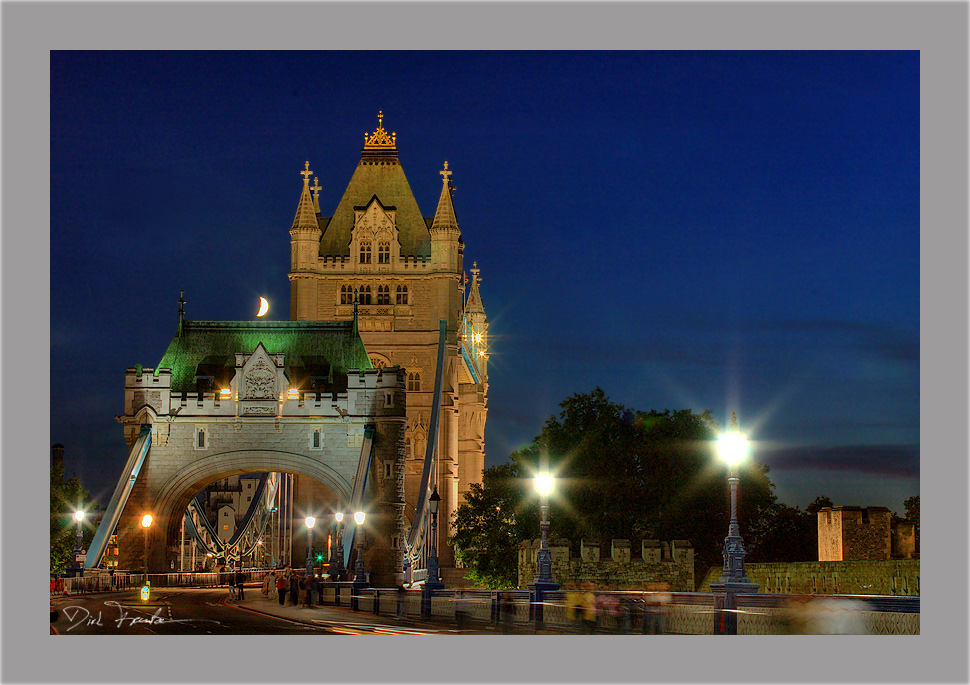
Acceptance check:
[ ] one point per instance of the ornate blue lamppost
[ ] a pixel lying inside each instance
(733, 448)
(434, 577)
(543, 582)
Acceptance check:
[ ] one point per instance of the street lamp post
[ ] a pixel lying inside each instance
(360, 579)
(733, 448)
(309, 547)
(433, 581)
(434, 576)
(146, 522)
(337, 557)
(543, 582)
(78, 549)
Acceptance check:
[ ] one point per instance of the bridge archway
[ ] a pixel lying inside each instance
(174, 494)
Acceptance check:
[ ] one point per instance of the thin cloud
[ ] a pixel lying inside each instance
(894, 460)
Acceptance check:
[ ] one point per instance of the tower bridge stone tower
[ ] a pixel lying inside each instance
(237, 397)
(406, 272)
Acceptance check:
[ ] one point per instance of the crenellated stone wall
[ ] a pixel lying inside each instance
(616, 568)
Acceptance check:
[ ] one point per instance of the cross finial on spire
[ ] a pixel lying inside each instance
(445, 174)
(306, 174)
(380, 118)
(316, 187)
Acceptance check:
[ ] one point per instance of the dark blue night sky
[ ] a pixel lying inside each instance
(687, 230)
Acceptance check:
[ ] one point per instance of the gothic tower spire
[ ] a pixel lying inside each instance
(306, 213)
(446, 242)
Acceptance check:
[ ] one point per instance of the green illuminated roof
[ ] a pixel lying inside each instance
(312, 349)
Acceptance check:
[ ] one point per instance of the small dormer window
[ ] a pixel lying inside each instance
(383, 252)
(365, 252)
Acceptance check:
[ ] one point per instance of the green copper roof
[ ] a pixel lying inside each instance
(377, 174)
(311, 348)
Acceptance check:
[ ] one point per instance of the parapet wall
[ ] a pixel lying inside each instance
(890, 577)
(656, 563)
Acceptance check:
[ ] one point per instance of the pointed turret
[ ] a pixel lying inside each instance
(305, 249)
(306, 212)
(444, 216)
(446, 244)
(474, 303)
(316, 187)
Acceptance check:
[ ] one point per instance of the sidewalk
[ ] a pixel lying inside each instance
(344, 620)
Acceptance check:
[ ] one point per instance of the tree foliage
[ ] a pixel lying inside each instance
(912, 514)
(488, 528)
(66, 497)
(620, 473)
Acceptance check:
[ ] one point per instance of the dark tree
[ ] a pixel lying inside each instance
(785, 534)
(488, 528)
(622, 474)
(818, 503)
(912, 514)
(66, 497)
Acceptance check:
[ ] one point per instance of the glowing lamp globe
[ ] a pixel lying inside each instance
(78, 515)
(310, 521)
(733, 447)
(359, 518)
(146, 520)
(339, 516)
(544, 483)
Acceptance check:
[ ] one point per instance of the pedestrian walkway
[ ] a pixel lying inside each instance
(345, 620)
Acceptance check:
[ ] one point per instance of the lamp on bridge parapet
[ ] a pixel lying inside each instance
(733, 449)
(309, 545)
(434, 577)
(337, 552)
(78, 549)
(146, 522)
(543, 582)
(361, 575)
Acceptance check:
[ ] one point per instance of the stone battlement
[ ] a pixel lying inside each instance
(657, 563)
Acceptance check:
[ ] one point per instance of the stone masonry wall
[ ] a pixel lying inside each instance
(658, 563)
(896, 577)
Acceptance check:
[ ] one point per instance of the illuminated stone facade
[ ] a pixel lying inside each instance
(406, 272)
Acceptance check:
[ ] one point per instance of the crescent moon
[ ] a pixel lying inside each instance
(263, 306)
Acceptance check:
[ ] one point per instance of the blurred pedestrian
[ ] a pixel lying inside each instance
(589, 609)
(507, 612)
(269, 581)
(461, 610)
(402, 593)
(281, 587)
(240, 581)
(294, 589)
(574, 608)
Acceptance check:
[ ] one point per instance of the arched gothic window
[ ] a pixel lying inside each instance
(402, 294)
(363, 295)
(365, 250)
(414, 381)
(383, 252)
(383, 294)
(346, 294)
